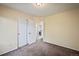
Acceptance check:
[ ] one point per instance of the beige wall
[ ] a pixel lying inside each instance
(63, 29)
(8, 35)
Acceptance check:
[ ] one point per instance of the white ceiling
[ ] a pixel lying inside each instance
(48, 9)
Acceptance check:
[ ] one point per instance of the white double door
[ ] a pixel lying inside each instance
(26, 32)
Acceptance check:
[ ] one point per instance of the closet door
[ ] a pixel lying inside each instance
(22, 32)
(31, 32)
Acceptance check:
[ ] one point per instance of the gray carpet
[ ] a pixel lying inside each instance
(42, 49)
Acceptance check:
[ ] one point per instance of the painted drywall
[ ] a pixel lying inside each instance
(9, 29)
(8, 35)
(63, 29)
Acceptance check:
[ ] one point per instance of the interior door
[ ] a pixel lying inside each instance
(41, 30)
(22, 32)
(31, 32)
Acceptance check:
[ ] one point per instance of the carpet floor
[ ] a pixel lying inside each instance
(42, 49)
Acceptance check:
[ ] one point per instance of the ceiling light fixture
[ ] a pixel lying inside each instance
(39, 5)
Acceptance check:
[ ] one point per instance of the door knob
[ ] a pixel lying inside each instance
(18, 33)
(29, 33)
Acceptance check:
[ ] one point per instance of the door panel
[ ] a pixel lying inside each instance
(22, 32)
(31, 32)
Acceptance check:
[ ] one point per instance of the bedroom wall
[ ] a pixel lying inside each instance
(63, 29)
(8, 27)
(8, 35)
